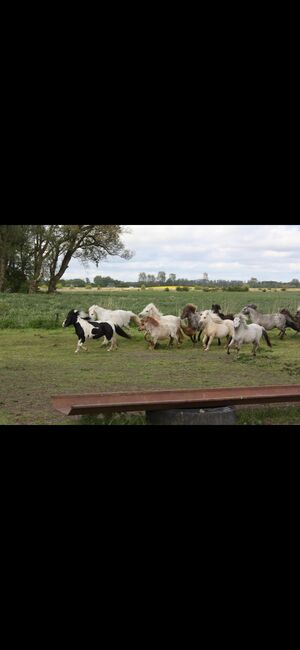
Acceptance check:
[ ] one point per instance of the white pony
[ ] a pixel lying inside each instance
(244, 333)
(213, 326)
(119, 317)
(173, 322)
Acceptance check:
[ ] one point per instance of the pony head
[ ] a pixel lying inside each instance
(148, 320)
(238, 320)
(92, 312)
(71, 318)
(188, 309)
(150, 310)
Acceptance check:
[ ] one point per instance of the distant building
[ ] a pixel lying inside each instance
(205, 277)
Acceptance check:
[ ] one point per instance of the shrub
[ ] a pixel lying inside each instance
(236, 288)
(167, 289)
(182, 288)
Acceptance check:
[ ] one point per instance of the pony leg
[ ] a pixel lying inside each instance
(80, 346)
(105, 341)
(230, 344)
(211, 338)
(282, 333)
(113, 344)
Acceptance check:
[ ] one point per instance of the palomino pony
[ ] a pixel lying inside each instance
(213, 326)
(244, 333)
(157, 331)
(173, 322)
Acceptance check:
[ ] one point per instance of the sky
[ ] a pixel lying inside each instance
(234, 252)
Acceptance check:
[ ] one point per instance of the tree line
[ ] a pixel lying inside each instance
(162, 279)
(32, 254)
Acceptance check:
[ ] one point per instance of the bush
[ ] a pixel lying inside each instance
(167, 289)
(182, 288)
(236, 288)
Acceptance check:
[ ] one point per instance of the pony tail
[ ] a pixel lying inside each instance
(136, 319)
(265, 335)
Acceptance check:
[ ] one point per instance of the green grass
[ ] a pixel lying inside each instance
(36, 363)
(269, 415)
(42, 311)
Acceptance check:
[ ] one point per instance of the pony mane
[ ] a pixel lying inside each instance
(153, 308)
(150, 319)
(191, 307)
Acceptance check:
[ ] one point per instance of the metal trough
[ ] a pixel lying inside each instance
(173, 399)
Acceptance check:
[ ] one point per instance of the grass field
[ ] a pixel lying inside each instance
(37, 357)
(48, 311)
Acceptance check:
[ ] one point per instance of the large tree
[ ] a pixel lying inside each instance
(90, 243)
(12, 255)
(29, 253)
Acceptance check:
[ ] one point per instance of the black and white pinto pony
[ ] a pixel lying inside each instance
(244, 333)
(87, 329)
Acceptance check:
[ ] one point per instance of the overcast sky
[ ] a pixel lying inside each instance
(223, 252)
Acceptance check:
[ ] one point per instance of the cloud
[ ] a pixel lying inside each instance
(224, 252)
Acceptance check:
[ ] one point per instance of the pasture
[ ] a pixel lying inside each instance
(37, 356)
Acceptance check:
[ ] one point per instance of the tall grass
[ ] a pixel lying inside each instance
(48, 311)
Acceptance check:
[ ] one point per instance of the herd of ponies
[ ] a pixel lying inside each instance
(247, 326)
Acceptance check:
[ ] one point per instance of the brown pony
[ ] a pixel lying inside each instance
(292, 321)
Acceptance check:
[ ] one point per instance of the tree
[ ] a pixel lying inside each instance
(142, 278)
(87, 242)
(12, 245)
(171, 278)
(150, 278)
(161, 277)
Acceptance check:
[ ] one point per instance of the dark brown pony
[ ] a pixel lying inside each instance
(217, 310)
(291, 321)
(192, 315)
